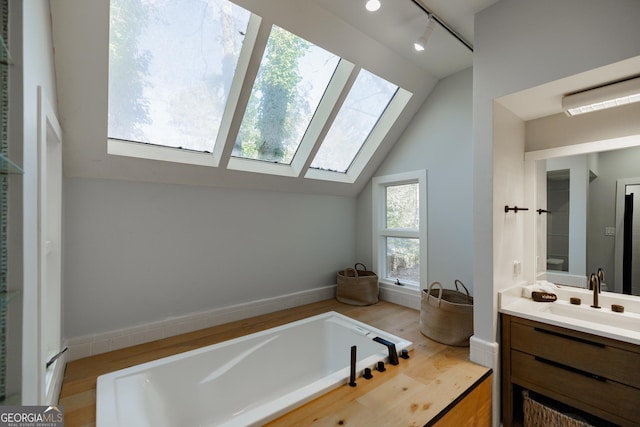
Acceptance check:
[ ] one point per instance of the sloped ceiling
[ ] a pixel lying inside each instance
(80, 35)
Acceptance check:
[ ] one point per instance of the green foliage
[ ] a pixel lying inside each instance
(402, 206)
(128, 66)
(271, 114)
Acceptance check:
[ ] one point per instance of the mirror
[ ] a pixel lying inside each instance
(594, 218)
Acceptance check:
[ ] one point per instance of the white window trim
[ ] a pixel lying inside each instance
(380, 232)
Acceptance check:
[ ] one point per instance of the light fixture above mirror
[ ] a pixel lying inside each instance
(602, 97)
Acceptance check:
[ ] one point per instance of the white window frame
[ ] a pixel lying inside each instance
(381, 232)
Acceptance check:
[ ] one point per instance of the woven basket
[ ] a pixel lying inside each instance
(538, 415)
(446, 315)
(357, 286)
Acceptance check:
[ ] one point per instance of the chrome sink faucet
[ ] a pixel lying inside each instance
(594, 284)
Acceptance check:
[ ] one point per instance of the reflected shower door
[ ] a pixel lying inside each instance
(631, 243)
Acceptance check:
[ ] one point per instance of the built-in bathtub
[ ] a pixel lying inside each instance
(245, 381)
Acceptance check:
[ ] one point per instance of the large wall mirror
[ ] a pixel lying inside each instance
(593, 221)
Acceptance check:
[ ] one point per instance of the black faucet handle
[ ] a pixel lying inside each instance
(367, 374)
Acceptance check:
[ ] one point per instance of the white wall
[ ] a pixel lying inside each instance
(508, 189)
(521, 44)
(439, 140)
(137, 252)
(37, 69)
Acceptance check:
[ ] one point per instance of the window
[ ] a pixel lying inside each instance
(181, 76)
(170, 79)
(293, 76)
(367, 100)
(400, 229)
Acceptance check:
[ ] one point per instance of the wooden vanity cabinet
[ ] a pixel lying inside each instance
(596, 375)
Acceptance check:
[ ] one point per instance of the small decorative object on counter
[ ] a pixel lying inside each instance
(446, 315)
(357, 286)
(539, 296)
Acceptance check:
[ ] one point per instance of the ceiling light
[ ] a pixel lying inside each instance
(372, 5)
(600, 98)
(421, 43)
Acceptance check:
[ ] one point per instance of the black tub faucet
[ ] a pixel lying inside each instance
(393, 354)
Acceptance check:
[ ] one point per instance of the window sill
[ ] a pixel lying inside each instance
(154, 152)
(408, 295)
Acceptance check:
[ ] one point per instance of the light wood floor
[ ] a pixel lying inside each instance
(413, 393)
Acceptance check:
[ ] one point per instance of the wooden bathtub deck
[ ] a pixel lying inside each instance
(420, 391)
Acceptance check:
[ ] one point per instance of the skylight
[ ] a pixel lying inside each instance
(182, 89)
(171, 65)
(293, 76)
(362, 109)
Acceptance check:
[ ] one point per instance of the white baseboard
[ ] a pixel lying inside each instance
(90, 345)
(487, 354)
(407, 297)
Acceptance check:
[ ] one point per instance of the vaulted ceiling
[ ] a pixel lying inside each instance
(380, 42)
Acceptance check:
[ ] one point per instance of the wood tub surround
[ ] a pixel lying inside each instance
(436, 386)
(593, 374)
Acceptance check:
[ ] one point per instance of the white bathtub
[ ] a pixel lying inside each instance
(245, 381)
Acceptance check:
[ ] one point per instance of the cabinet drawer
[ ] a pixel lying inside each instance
(580, 351)
(607, 399)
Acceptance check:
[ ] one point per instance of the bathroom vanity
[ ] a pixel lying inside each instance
(559, 352)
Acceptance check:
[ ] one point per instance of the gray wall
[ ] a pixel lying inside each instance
(141, 252)
(612, 165)
(518, 45)
(439, 140)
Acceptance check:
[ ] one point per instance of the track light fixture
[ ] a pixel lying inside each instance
(613, 95)
(421, 43)
(372, 5)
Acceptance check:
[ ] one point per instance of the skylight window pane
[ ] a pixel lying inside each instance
(357, 117)
(171, 64)
(292, 79)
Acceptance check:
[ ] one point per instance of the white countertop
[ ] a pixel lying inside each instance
(511, 301)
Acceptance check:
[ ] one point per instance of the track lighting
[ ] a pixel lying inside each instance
(613, 95)
(372, 5)
(421, 43)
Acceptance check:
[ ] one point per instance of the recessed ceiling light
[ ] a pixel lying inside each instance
(372, 5)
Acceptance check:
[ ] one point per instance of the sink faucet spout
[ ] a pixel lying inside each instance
(594, 284)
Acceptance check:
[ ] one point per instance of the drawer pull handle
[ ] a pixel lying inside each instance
(571, 369)
(569, 337)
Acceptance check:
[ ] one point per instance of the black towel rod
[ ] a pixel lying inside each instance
(515, 209)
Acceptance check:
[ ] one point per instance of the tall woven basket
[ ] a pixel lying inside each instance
(446, 315)
(357, 286)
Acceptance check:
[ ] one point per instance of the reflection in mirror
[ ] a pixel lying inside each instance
(592, 223)
(558, 219)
